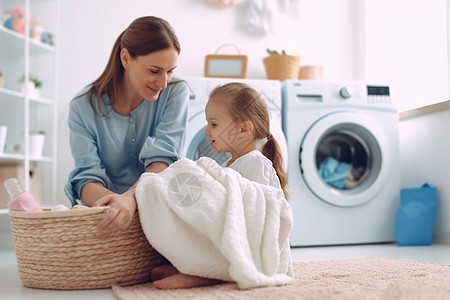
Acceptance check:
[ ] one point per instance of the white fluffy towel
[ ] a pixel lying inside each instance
(209, 221)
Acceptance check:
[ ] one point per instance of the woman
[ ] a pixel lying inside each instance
(129, 121)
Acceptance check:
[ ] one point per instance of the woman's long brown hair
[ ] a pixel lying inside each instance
(143, 36)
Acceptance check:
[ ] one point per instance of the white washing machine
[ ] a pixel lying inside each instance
(197, 144)
(343, 162)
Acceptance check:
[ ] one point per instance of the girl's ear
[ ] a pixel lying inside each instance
(124, 57)
(246, 128)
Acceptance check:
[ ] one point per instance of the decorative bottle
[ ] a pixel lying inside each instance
(20, 199)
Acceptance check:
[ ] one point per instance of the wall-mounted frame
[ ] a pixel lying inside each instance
(228, 66)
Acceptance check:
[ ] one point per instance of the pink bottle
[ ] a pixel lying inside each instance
(20, 200)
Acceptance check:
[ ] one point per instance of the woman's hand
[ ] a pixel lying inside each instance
(120, 213)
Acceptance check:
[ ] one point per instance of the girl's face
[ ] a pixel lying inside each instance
(222, 129)
(149, 74)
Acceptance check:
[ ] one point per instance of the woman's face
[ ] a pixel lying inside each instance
(149, 74)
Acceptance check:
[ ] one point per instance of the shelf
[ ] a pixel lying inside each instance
(11, 33)
(36, 45)
(13, 40)
(6, 158)
(41, 100)
(20, 95)
(41, 159)
(24, 111)
(11, 93)
(11, 158)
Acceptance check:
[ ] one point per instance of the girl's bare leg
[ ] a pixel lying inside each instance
(183, 281)
(163, 271)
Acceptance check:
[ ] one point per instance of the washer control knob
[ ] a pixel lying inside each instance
(346, 92)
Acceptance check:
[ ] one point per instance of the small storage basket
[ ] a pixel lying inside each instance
(282, 67)
(64, 250)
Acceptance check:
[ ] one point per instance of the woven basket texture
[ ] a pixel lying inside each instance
(282, 67)
(64, 250)
(310, 73)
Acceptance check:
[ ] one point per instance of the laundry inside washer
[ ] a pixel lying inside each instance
(343, 159)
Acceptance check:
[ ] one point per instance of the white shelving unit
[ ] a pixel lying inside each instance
(23, 111)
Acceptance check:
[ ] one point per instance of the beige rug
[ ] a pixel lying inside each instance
(363, 278)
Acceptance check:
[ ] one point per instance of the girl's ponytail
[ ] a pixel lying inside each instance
(272, 151)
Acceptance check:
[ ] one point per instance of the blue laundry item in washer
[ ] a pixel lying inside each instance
(334, 172)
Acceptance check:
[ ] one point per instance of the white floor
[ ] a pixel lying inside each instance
(11, 287)
(434, 253)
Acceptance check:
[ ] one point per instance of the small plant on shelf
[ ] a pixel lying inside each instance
(39, 132)
(32, 87)
(274, 52)
(35, 80)
(281, 66)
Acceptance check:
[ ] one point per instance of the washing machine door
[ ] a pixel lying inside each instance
(344, 158)
(197, 144)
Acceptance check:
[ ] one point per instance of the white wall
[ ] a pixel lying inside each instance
(406, 47)
(424, 158)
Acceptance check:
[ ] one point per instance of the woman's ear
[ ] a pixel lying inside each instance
(124, 58)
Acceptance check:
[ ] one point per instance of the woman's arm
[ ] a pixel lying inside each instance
(156, 167)
(121, 210)
(166, 140)
(122, 207)
(93, 191)
(85, 152)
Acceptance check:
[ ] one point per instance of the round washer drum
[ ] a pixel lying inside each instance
(200, 146)
(351, 138)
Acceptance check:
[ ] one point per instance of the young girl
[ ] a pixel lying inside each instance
(238, 120)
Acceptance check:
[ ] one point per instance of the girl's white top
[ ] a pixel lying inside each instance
(256, 167)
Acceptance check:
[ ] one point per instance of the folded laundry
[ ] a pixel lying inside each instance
(334, 172)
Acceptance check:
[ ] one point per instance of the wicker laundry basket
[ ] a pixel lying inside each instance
(63, 250)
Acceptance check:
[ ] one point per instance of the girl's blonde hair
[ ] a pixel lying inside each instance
(246, 104)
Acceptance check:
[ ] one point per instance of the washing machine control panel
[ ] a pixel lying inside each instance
(378, 94)
(314, 93)
(346, 92)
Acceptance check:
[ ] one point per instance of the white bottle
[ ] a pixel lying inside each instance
(20, 199)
